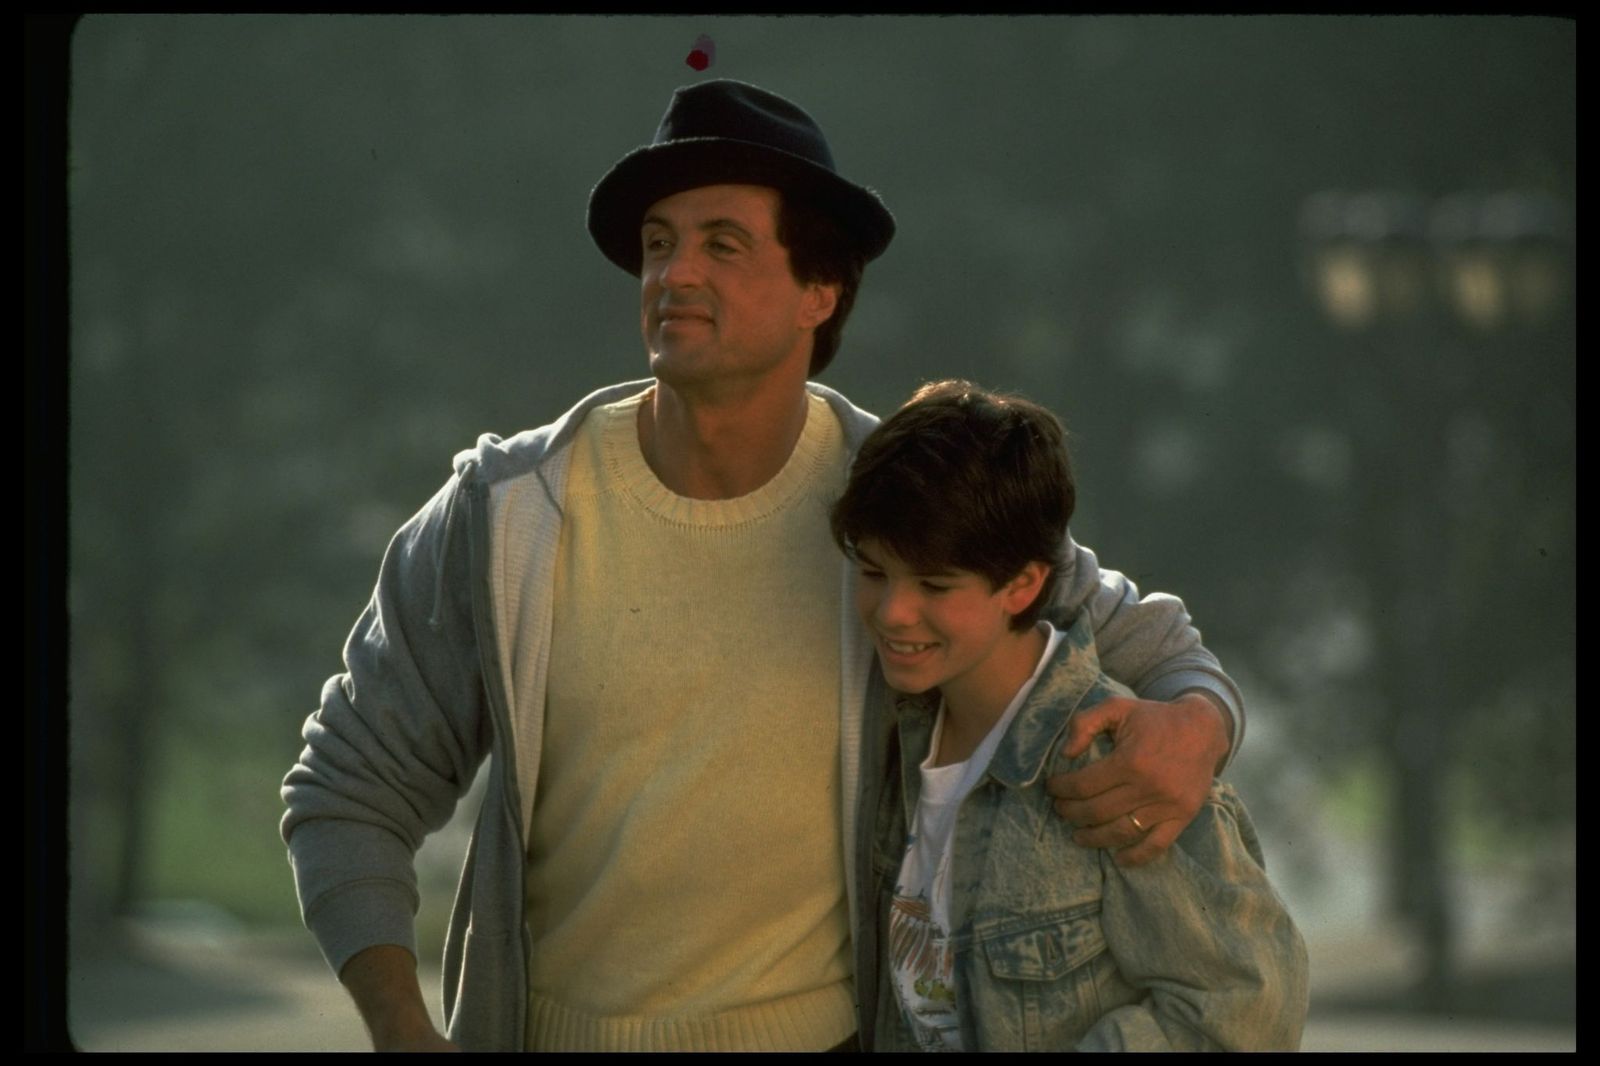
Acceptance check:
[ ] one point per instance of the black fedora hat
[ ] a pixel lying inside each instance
(728, 132)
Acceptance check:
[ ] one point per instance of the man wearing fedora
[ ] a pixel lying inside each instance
(638, 615)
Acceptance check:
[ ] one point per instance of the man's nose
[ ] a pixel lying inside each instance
(681, 269)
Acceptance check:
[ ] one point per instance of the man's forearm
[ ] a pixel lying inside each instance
(1226, 724)
(383, 982)
(1218, 689)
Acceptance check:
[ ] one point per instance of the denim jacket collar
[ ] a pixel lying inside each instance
(1035, 734)
(1025, 752)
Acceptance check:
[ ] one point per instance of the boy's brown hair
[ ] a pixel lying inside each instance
(964, 478)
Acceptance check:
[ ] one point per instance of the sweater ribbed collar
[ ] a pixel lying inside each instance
(818, 451)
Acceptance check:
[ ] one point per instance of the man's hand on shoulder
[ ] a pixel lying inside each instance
(1141, 796)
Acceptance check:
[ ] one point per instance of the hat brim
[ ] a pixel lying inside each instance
(618, 202)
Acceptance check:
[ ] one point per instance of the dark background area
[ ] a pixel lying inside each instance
(1302, 289)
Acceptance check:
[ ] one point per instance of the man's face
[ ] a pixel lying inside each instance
(719, 301)
(939, 630)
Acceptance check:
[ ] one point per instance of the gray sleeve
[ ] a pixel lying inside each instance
(1148, 643)
(395, 743)
(1202, 934)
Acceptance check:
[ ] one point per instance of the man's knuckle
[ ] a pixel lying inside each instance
(1143, 763)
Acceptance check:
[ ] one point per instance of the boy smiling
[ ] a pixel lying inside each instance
(995, 931)
(949, 629)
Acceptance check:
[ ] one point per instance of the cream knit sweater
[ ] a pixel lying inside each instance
(685, 881)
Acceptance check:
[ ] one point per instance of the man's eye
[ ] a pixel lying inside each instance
(652, 244)
(722, 247)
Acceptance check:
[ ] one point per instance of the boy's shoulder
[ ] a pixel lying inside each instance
(1071, 680)
(1073, 677)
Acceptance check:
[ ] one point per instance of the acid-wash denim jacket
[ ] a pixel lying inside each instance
(1056, 946)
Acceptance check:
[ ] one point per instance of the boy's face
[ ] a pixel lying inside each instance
(948, 630)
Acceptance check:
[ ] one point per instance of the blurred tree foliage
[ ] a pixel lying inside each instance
(313, 257)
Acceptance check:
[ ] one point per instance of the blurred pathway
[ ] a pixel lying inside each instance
(188, 989)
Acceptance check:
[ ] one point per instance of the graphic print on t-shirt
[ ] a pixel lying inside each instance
(920, 955)
(922, 958)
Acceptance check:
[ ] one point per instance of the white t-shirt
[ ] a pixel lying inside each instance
(920, 956)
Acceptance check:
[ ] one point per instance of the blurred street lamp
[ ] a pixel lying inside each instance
(1502, 257)
(1496, 259)
(1368, 255)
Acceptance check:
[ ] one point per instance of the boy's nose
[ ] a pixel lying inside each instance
(896, 609)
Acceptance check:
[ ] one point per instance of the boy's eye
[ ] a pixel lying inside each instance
(935, 587)
(869, 574)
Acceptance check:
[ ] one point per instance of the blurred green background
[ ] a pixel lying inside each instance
(1301, 288)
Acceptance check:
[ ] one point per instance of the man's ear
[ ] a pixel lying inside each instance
(818, 304)
(1020, 592)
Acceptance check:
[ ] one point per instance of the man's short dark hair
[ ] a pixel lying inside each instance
(967, 479)
(821, 252)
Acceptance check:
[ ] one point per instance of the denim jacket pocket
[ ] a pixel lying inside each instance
(1035, 983)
